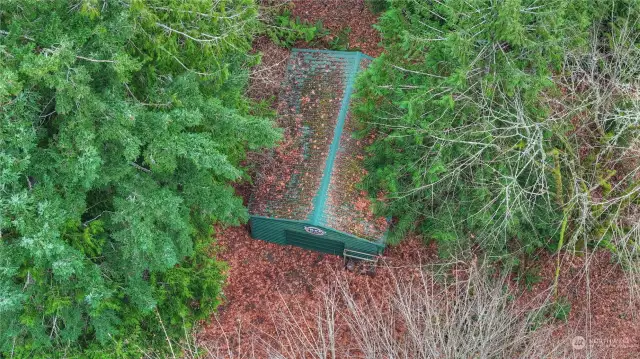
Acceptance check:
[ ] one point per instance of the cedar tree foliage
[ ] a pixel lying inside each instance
(122, 126)
(508, 125)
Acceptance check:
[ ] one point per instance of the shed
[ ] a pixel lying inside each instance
(306, 191)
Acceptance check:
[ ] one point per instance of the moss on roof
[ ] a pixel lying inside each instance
(312, 176)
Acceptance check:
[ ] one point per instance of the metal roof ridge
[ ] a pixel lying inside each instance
(320, 199)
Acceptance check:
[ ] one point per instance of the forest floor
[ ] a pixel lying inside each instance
(264, 278)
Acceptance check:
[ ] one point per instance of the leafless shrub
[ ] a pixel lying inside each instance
(602, 96)
(471, 315)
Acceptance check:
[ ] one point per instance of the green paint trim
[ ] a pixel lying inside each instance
(320, 199)
(378, 243)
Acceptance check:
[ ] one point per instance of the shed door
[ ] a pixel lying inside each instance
(314, 243)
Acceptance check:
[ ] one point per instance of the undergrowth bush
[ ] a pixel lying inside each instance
(340, 41)
(284, 30)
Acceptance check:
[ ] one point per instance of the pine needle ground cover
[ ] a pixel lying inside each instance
(312, 176)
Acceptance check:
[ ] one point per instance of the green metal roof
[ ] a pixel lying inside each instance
(312, 176)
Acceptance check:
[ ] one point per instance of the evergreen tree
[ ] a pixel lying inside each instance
(481, 140)
(122, 126)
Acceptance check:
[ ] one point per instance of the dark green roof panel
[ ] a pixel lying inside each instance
(311, 177)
